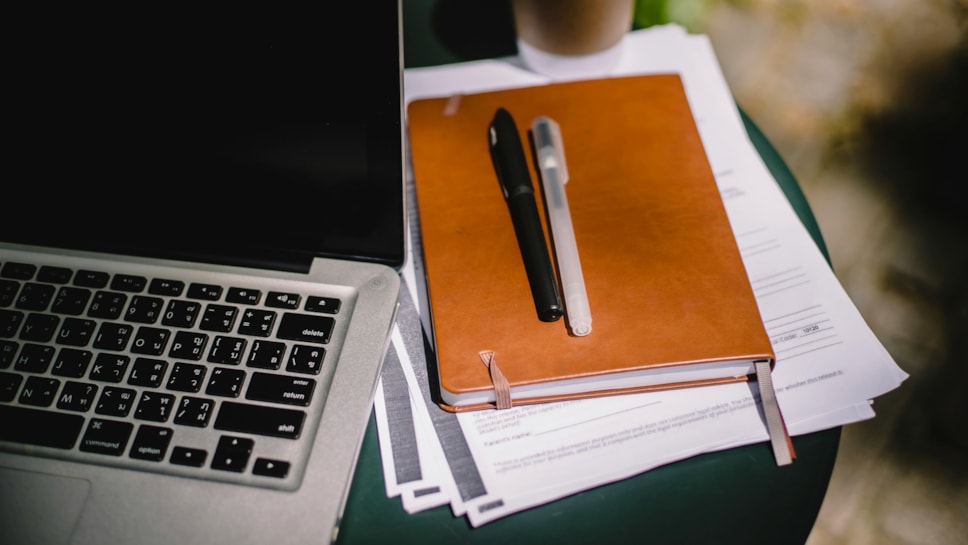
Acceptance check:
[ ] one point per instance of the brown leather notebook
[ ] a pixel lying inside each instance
(670, 300)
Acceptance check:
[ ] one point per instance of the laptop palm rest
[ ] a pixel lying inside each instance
(52, 501)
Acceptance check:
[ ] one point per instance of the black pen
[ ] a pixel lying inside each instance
(507, 153)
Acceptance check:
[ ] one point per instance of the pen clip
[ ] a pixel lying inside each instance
(549, 146)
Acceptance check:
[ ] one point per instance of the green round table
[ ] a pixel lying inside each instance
(735, 496)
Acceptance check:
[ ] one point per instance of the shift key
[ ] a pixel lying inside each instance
(42, 428)
(260, 420)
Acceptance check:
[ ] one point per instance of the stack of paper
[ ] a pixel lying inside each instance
(490, 464)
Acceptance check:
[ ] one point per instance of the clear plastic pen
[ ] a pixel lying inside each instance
(554, 176)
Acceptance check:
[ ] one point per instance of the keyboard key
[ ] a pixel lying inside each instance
(41, 428)
(306, 359)
(305, 327)
(150, 341)
(232, 454)
(205, 292)
(280, 389)
(106, 436)
(151, 443)
(278, 299)
(147, 372)
(144, 309)
(260, 420)
(34, 358)
(270, 468)
(77, 396)
(112, 336)
(39, 327)
(54, 275)
(8, 350)
(35, 296)
(71, 362)
(188, 345)
(243, 296)
(186, 377)
(39, 391)
(18, 271)
(266, 354)
(227, 350)
(181, 313)
(162, 286)
(8, 292)
(154, 406)
(328, 305)
(129, 283)
(107, 304)
(109, 367)
(115, 401)
(218, 318)
(91, 279)
(76, 331)
(9, 384)
(10, 322)
(194, 411)
(71, 301)
(225, 382)
(185, 456)
(257, 322)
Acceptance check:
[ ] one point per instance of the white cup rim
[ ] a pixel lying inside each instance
(570, 66)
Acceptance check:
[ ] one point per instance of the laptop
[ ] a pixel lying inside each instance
(201, 231)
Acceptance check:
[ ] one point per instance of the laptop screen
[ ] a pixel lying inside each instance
(254, 135)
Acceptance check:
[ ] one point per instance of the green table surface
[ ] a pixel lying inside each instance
(734, 496)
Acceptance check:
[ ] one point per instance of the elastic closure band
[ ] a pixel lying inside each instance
(775, 426)
(502, 390)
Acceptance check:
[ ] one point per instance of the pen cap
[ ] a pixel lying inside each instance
(508, 157)
(548, 143)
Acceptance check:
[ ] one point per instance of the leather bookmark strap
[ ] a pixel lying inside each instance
(775, 426)
(502, 389)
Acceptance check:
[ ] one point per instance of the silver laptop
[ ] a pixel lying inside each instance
(201, 228)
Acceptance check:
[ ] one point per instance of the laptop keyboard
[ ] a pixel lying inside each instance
(217, 377)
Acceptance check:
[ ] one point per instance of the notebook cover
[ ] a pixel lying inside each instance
(665, 280)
